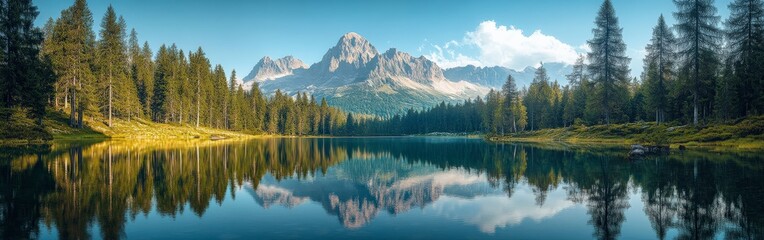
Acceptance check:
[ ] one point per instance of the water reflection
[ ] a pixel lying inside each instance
(95, 190)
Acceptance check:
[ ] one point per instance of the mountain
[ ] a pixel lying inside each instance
(494, 77)
(267, 69)
(354, 76)
(357, 190)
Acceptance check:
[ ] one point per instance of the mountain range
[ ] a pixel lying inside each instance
(355, 77)
(494, 77)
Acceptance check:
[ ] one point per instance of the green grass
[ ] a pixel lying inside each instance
(18, 129)
(57, 124)
(143, 129)
(746, 133)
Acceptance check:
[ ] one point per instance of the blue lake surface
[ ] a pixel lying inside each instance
(374, 188)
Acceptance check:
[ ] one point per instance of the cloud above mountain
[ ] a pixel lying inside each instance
(499, 45)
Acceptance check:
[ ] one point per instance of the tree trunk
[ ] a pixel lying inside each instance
(72, 117)
(80, 114)
(695, 109)
(66, 99)
(110, 97)
(197, 99)
(55, 98)
(514, 124)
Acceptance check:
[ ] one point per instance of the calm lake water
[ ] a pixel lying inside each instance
(374, 188)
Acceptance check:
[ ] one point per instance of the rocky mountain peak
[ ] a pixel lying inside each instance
(269, 69)
(394, 63)
(351, 49)
(354, 76)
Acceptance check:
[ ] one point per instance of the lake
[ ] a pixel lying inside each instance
(374, 188)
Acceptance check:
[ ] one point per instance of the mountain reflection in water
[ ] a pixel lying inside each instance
(479, 189)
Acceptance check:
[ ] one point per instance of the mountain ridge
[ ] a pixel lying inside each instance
(268, 69)
(495, 76)
(354, 76)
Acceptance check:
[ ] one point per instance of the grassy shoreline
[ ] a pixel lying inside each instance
(744, 134)
(19, 131)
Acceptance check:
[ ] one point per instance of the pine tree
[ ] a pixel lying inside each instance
(145, 75)
(579, 85)
(73, 61)
(350, 124)
(172, 100)
(521, 115)
(578, 72)
(218, 106)
(509, 93)
(539, 99)
(325, 117)
(161, 77)
(234, 121)
(169, 68)
(48, 52)
(745, 40)
(133, 57)
(259, 107)
(698, 39)
(608, 62)
(199, 73)
(659, 68)
(553, 115)
(25, 80)
(492, 115)
(315, 116)
(112, 64)
(185, 89)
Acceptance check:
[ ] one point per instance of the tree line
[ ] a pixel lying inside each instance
(111, 75)
(694, 73)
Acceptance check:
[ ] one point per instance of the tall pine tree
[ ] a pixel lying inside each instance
(659, 68)
(698, 40)
(25, 80)
(73, 61)
(745, 42)
(509, 93)
(113, 83)
(539, 98)
(609, 66)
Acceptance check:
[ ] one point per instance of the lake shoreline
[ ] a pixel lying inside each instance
(56, 128)
(745, 134)
(733, 144)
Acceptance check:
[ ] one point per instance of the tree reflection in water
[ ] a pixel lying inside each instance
(71, 186)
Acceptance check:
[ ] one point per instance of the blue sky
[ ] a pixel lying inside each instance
(237, 34)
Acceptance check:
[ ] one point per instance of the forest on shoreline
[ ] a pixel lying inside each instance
(696, 74)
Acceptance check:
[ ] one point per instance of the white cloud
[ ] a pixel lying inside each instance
(491, 212)
(447, 58)
(499, 45)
